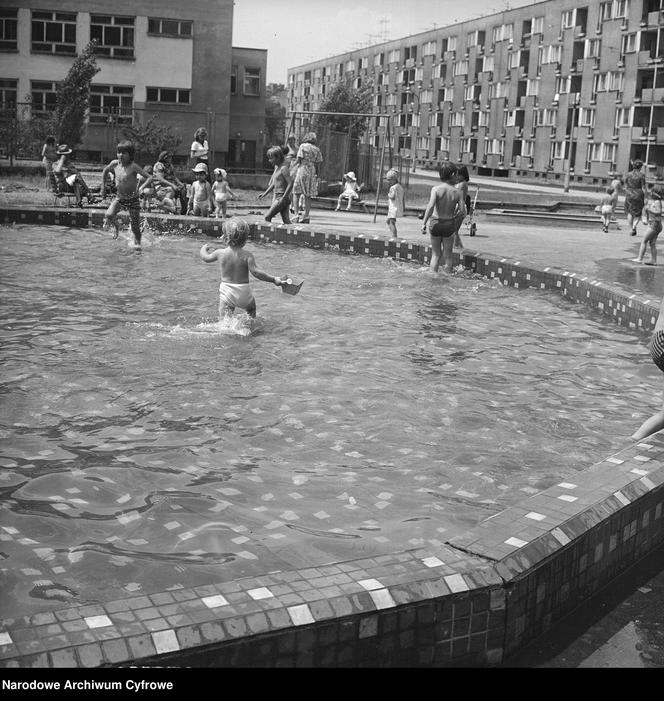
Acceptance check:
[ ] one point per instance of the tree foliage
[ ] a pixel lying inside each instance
(150, 138)
(343, 98)
(73, 98)
(275, 122)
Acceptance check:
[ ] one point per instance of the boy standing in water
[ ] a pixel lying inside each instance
(126, 181)
(235, 265)
(449, 208)
(395, 200)
(656, 346)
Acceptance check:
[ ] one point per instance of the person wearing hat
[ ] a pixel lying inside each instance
(68, 177)
(221, 192)
(168, 187)
(201, 203)
(350, 192)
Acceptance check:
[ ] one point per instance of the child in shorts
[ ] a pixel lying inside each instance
(447, 204)
(395, 200)
(126, 173)
(201, 203)
(221, 191)
(656, 346)
(653, 210)
(607, 207)
(281, 184)
(235, 264)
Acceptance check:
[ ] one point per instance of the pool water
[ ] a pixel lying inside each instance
(145, 446)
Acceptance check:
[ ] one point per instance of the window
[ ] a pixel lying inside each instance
(429, 49)
(485, 118)
(252, 81)
(451, 43)
(405, 120)
(43, 95)
(234, 80)
(528, 149)
(592, 48)
(378, 60)
(629, 43)
(605, 11)
(475, 38)
(426, 97)
(114, 35)
(169, 27)
(513, 59)
(404, 143)
(458, 119)
(503, 32)
(350, 66)
(602, 152)
(620, 8)
(508, 118)
(623, 117)
(568, 19)
(495, 147)
(616, 80)
(537, 25)
(443, 144)
(8, 92)
(422, 143)
(408, 77)
(563, 84)
(460, 68)
(410, 53)
(551, 54)
(8, 26)
(600, 82)
(394, 56)
(558, 149)
(489, 62)
(116, 100)
(171, 96)
(464, 145)
(532, 86)
(587, 117)
(53, 32)
(445, 95)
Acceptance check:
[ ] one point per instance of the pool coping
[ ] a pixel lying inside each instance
(473, 601)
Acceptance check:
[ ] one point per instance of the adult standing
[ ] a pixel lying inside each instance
(200, 149)
(635, 194)
(306, 176)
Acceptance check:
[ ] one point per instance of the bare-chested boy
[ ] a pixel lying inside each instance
(127, 197)
(447, 203)
(235, 264)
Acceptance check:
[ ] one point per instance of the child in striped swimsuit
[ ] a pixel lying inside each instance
(126, 181)
(656, 346)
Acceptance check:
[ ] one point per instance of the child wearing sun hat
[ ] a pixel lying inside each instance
(350, 192)
(201, 203)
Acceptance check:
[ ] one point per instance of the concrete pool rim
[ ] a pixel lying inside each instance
(473, 602)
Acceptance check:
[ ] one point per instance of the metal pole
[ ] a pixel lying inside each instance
(569, 146)
(380, 169)
(652, 102)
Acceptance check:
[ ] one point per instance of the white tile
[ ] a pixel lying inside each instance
(516, 542)
(432, 562)
(641, 473)
(535, 516)
(213, 602)
(260, 593)
(621, 498)
(370, 584)
(567, 485)
(456, 583)
(98, 621)
(560, 536)
(5, 639)
(300, 615)
(382, 598)
(165, 641)
(567, 497)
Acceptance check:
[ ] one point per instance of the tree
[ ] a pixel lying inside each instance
(150, 139)
(342, 98)
(275, 122)
(73, 98)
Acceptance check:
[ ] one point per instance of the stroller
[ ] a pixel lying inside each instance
(470, 220)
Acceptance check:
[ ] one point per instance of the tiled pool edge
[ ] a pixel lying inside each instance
(472, 602)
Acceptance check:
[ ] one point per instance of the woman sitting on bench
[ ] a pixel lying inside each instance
(68, 180)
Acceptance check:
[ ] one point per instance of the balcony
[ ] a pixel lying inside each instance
(639, 133)
(649, 95)
(644, 59)
(659, 135)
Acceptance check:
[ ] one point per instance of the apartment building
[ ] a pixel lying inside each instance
(561, 89)
(165, 58)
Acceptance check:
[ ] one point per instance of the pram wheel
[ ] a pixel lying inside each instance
(473, 229)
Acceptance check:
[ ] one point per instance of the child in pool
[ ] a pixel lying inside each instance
(201, 203)
(281, 183)
(656, 346)
(607, 206)
(146, 193)
(235, 264)
(221, 191)
(126, 173)
(447, 202)
(654, 213)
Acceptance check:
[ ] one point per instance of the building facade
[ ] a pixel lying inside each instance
(165, 58)
(562, 89)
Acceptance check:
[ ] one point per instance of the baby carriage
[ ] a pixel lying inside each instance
(470, 220)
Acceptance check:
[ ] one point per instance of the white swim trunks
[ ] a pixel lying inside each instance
(236, 294)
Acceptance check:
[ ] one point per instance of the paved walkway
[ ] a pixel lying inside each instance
(586, 251)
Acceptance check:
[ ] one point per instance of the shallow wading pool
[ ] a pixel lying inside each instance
(383, 408)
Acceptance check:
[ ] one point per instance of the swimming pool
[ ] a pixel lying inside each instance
(381, 409)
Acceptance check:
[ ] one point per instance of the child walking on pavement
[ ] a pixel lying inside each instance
(654, 211)
(221, 191)
(127, 197)
(607, 207)
(395, 201)
(235, 264)
(447, 204)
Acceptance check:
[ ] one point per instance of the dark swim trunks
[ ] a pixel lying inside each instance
(130, 202)
(443, 228)
(656, 347)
